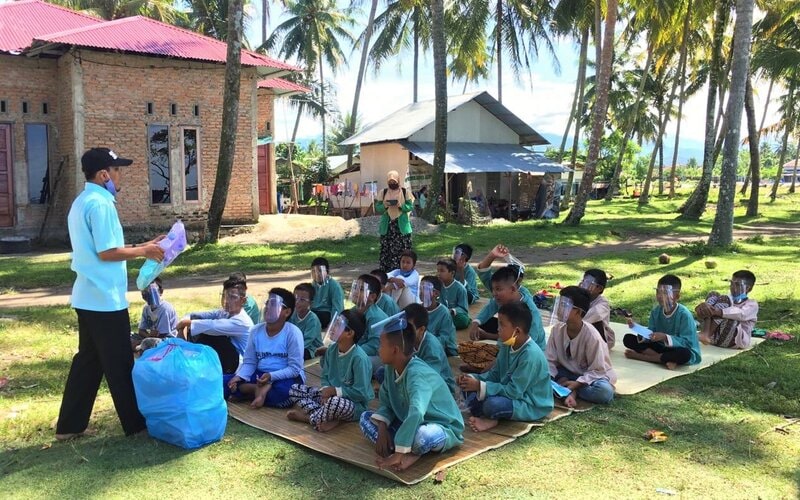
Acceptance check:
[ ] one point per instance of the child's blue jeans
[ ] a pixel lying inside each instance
(600, 391)
(492, 407)
(429, 437)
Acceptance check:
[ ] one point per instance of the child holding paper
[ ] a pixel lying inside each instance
(577, 355)
(728, 320)
(518, 386)
(671, 336)
(346, 379)
(417, 412)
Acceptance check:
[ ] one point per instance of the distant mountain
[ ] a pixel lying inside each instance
(688, 148)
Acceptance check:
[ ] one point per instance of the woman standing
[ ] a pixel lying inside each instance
(394, 204)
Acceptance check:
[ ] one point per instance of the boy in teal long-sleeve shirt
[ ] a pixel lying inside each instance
(346, 388)
(368, 288)
(505, 291)
(428, 348)
(328, 294)
(440, 323)
(385, 302)
(518, 385)
(465, 273)
(453, 295)
(305, 319)
(417, 412)
(673, 340)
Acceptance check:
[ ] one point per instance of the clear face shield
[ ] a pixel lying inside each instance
(515, 264)
(230, 300)
(151, 296)
(665, 295)
(562, 307)
(587, 283)
(426, 294)
(335, 329)
(359, 293)
(272, 309)
(457, 254)
(319, 274)
(739, 289)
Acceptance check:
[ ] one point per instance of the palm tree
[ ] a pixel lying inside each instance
(230, 119)
(165, 11)
(754, 140)
(722, 231)
(362, 67)
(312, 36)
(599, 114)
(440, 83)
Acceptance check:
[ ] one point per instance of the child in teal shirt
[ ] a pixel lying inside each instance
(346, 388)
(428, 348)
(328, 294)
(518, 385)
(453, 295)
(305, 319)
(417, 412)
(440, 323)
(385, 302)
(673, 339)
(465, 273)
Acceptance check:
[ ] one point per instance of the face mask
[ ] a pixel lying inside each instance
(510, 341)
(406, 274)
(740, 298)
(739, 290)
(272, 309)
(109, 185)
(393, 185)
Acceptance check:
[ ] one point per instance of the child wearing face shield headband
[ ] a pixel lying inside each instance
(273, 359)
(346, 388)
(305, 319)
(577, 355)
(440, 323)
(673, 338)
(517, 387)
(328, 293)
(159, 319)
(728, 320)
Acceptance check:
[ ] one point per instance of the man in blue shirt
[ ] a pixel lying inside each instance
(99, 256)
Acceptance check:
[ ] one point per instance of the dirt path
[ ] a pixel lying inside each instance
(190, 287)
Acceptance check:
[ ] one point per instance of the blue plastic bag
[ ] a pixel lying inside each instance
(173, 245)
(179, 391)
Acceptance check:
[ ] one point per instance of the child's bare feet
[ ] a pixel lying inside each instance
(479, 424)
(297, 416)
(630, 354)
(327, 426)
(407, 461)
(703, 338)
(671, 365)
(260, 396)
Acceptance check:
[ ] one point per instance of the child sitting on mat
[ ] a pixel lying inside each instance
(465, 273)
(673, 336)
(346, 379)
(518, 386)
(599, 314)
(386, 303)
(159, 319)
(453, 295)
(328, 294)
(728, 320)
(250, 305)
(305, 319)
(417, 412)
(273, 359)
(577, 355)
(403, 283)
(363, 294)
(440, 324)
(426, 346)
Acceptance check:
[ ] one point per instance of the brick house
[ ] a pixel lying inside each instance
(151, 92)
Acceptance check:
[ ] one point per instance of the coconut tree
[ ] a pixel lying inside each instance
(722, 230)
(440, 92)
(313, 36)
(362, 67)
(165, 11)
(753, 136)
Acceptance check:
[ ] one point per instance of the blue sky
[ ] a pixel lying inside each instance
(542, 98)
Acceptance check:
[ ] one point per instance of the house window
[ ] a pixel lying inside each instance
(36, 154)
(158, 163)
(191, 164)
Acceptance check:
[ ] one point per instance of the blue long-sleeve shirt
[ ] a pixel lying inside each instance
(280, 355)
(219, 323)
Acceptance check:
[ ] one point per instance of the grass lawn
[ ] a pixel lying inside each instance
(720, 421)
(604, 222)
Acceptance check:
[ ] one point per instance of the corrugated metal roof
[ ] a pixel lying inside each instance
(404, 122)
(143, 35)
(23, 21)
(282, 87)
(472, 158)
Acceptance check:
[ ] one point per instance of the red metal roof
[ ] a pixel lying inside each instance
(23, 21)
(143, 35)
(281, 86)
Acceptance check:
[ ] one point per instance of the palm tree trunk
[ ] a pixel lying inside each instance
(645, 197)
(582, 63)
(440, 87)
(722, 231)
(696, 204)
(758, 137)
(572, 115)
(264, 20)
(499, 36)
(682, 76)
(598, 117)
(598, 36)
(630, 127)
(416, 55)
(293, 194)
(323, 172)
(754, 141)
(794, 171)
(230, 120)
(788, 119)
(362, 67)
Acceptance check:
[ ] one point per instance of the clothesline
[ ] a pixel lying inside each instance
(345, 188)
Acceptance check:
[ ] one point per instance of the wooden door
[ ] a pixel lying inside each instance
(6, 184)
(264, 176)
